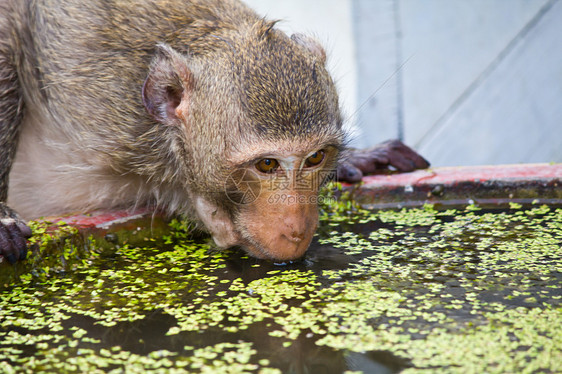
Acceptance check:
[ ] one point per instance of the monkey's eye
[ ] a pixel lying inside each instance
(315, 159)
(267, 165)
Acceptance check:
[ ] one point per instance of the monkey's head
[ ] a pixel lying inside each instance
(257, 130)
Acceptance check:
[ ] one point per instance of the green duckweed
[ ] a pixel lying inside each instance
(418, 290)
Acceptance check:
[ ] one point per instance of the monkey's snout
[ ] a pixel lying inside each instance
(295, 236)
(291, 241)
(288, 247)
(281, 244)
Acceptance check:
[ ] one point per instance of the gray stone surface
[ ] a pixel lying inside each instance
(466, 82)
(513, 112)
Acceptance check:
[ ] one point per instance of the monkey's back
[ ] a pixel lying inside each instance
(82, 66)
(102, 50)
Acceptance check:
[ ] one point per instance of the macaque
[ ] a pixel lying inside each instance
(199, 108)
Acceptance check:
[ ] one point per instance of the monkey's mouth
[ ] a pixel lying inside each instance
(282, 249)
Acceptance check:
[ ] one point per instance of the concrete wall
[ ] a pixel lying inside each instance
(463, 81)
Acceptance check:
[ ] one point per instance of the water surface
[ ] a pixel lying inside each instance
(412, 290)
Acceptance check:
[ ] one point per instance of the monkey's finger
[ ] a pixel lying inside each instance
(402, 163)
(12, 239)
(6, 246)
(420, 162)
(417, 161)
(402, 154)
(24, 229)
(367, 160)
(348, 173)
(368, 164)
(18, 240)
(407, 161)
(23, 253)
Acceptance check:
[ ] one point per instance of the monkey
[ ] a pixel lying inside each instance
(199, 108)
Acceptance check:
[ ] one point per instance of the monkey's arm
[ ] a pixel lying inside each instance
(390, 153)
(13, 230)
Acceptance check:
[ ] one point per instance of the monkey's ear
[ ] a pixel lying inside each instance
(311, 45)
(168, 83)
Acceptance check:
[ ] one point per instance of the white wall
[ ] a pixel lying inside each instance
(463, 81)
(497, 78)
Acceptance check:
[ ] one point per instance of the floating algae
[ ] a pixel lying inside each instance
(412, 290)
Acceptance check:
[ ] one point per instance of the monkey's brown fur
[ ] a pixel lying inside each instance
(128, 103)
(88, 143)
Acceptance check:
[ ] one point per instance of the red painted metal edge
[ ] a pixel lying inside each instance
(478, 174)
(460, 185)
(100, 219)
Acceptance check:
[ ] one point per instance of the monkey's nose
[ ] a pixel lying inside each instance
(285, 234)
(295, 236)
(292, 241)
(294, 229)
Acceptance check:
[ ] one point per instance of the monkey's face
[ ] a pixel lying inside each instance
(273, 202)
(258, 129)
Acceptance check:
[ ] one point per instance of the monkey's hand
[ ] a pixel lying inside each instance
(13, 235)
(390, 153)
